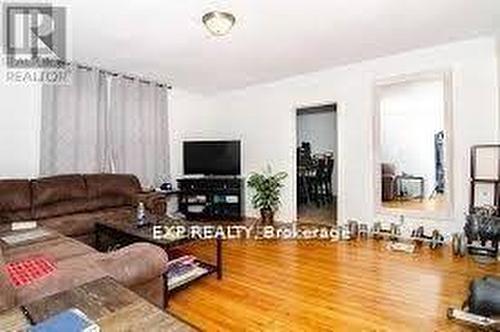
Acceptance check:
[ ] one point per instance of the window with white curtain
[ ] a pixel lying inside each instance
(105, 124)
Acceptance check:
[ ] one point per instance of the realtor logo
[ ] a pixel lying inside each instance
(34, 35)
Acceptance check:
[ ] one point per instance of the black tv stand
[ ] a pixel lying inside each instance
(211, 197)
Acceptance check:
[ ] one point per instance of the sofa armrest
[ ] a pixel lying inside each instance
(134, 264)
(154, 202)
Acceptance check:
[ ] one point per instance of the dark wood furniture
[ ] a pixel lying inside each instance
(112, 306)
(111, 235)
(314, 179)
(212, 198)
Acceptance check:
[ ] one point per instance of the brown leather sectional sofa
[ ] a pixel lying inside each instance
(72, 204)
(69, 206)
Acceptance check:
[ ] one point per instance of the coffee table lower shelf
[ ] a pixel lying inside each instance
(211, 269)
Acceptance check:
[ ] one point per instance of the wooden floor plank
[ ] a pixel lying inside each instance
(324, 286)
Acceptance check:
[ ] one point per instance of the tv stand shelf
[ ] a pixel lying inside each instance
(211, 198)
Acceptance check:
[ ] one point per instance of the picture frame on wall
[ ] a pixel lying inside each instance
(484, 194)
(485, 176)
(486, 162)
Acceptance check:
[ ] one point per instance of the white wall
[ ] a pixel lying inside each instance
(319, 129)
(19, 129)
(264, 117)
(410, 115)
(190, 118)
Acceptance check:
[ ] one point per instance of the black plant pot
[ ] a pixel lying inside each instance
(267, 216)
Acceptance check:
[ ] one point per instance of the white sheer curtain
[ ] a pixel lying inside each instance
(139, 130)
(73, 124)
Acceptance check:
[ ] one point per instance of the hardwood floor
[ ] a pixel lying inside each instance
(318, 215)
(434, 204)
(324, 286)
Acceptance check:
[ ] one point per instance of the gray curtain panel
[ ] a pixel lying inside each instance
(139, 130)
(105, 124)
(73, 125)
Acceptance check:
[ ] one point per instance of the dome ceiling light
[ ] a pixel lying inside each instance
(218, 23)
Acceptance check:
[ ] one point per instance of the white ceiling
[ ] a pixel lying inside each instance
(272, 39)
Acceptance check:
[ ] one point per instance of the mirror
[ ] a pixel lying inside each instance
(412, 145)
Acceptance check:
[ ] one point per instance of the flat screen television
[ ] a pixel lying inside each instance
(211, 157)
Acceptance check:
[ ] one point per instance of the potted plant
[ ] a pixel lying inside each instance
(266, 197)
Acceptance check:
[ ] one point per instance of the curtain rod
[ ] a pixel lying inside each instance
(125, 76)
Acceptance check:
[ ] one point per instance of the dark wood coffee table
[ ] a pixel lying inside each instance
(112, 306)
(113, 234)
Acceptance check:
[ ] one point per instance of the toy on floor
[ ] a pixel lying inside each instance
(482, 307)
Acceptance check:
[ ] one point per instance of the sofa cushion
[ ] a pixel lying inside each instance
(111, 190)
(59, 195)
(15, 200)
(134, 264)
(79, 224)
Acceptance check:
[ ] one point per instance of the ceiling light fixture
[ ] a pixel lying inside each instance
(218, 23)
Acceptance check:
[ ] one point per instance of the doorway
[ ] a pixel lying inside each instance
(317, 164)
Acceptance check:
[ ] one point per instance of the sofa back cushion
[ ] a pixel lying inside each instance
(59, 195)
(111, 190)
(15, 200)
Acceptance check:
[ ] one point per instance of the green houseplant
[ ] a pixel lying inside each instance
(266, 197)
